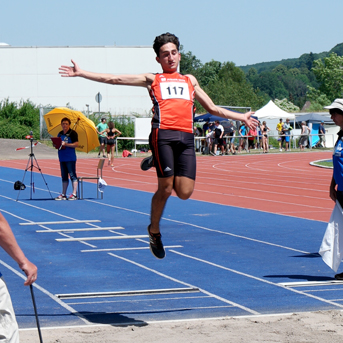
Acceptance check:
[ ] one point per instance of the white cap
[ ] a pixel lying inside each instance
(338, 103)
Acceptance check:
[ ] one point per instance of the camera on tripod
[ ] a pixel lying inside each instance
(32, 164)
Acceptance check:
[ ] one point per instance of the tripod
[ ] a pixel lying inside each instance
(30, 165)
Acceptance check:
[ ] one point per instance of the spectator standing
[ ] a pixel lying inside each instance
(209, 140)
(321, 132)
(242, 139)
(9, 332)
(305, 131)
(281, 136)
(287, 131)
(259, 136)
(67, 157)
(205, 128)
(231, 135)
(111, 134)
(265, 129)
(218, 137)
(197, 141)
(100, 129)
(251, 139)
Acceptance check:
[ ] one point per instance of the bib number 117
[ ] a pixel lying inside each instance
(174, 90)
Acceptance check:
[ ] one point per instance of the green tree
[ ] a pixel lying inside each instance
(18, 119)
(318, 100)
(270, 84)
(286, 105)
(294, 72)
(280, 69)
(230, 87)
(189, 63)
(329, 73)
(251, 74)
(225, 83)
(208, 73)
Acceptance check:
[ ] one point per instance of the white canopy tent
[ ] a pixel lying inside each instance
(271, 111)
(274, 113)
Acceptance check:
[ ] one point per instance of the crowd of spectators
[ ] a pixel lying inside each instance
(225, 137)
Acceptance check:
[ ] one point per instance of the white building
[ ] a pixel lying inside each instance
(31, 73)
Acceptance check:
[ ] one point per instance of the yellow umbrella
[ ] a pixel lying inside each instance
(85, 128)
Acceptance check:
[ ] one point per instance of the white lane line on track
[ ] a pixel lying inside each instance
(81, 230)
(267, 200)
(205, 228)
(259, 279)
(222, 179)
(266, 175)
(43, 290)
(44, 210)
(62, 222)
(99, 238)
(147, 214)
(281, 165)
(265, 191)
(186, 284)
(125, 249)
(225, 300)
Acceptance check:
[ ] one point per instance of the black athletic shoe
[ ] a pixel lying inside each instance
(156, 245)
(339, 276)
(147, 163)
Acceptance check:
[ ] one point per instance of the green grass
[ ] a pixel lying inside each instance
(327, 164)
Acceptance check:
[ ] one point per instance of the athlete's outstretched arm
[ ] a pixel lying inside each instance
(209, 106)
(140, 80)
(10, 245)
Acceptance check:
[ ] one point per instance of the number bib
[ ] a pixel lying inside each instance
(174, 90)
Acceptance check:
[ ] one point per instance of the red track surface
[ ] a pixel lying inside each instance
(282, 183)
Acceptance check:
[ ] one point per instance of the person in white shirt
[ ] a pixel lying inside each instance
(305, 131)
(218, 137)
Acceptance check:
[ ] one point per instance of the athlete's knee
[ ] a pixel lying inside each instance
(184, 193)
(184, 196)
(183, 187)
(165, 190)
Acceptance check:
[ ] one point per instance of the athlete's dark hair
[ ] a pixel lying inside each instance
(111, 125)
(164, 39)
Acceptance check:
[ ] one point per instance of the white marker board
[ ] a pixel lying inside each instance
(142, 130)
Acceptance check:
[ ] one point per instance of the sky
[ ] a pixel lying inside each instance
(240, 31)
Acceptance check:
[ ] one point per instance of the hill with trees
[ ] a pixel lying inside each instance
(225, 83)
(316, 77)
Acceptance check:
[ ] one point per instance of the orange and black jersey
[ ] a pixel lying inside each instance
(173, 102)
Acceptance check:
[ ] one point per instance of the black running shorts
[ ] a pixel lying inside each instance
(173, 153)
